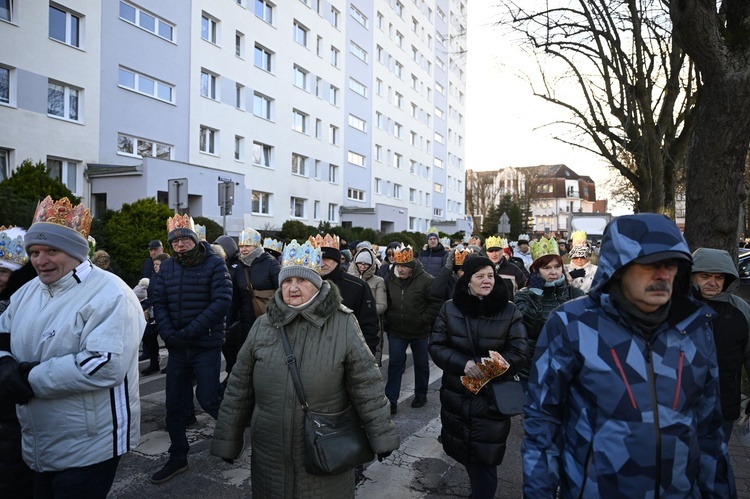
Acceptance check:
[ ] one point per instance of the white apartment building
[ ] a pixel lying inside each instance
(350, 112)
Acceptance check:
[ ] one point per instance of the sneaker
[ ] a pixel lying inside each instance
(394, 408)
(172, 468)
(419, 401)
(151, 369)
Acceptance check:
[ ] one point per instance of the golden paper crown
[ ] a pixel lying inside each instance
(12, 248)
(62, 212)
(460, 256)
(273, 245)
(201, 231)
(329, 241)
(495, 242)
(249, 237)
(403, 254)
(544, 247)
(306, 255)
(180, 222)
(579, 238)
(432, 230)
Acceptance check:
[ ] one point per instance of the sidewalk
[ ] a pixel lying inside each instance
(740, 463)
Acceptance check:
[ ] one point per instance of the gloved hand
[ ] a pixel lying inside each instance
(179, 340)
(14, 380)
(577, 273)
(536, 281)
(383, 455)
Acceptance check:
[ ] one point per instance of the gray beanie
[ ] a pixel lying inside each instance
(182, 232)
(364, 256)
(300, 271)
(59, 237)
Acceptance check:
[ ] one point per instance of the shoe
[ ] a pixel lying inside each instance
(143, 356)
(191, 419)
(163, 371)
(419, 401)
(394, 408)
(151, 369)
(169, 470)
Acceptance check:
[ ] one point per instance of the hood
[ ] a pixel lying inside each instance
(354, 270)
(716, 261)
(631, 237)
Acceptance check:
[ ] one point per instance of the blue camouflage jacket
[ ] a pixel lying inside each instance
(615, 413)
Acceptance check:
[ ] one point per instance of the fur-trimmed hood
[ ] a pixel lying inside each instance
(324, 305)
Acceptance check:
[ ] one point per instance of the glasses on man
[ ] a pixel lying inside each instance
(180, 240)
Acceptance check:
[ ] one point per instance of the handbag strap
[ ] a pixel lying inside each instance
(248, 283)
(291, 362)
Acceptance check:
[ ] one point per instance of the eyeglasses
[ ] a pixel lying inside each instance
(179, 240)
(389, 253)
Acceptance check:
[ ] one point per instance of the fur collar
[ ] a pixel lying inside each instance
(472, 306)
(324, 305)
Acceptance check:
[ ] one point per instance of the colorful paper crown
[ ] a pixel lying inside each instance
(273, 245)
(495, 242)
(460, 255)
(403, 254)
(446, 241)
(544, 247)
(306, 255)
(579, 238)
(12, 251)
(523, 237)
(432, 230)
(180, 222)
(62, 212)
(329, 241)
(249, 237)
(201, 231)
(92, 246)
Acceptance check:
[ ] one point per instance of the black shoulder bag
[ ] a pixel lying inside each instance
(334, 442)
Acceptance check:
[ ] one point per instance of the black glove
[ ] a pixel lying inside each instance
(574, 274)
(178, 340)
(536, 281)
(14, 380)
(383, 455)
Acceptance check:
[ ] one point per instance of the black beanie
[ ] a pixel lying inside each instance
(474, 263)
(330, 253)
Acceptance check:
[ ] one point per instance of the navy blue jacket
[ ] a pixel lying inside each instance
(433, 259)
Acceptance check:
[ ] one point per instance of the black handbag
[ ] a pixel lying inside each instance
(506, 397)
(334, 442)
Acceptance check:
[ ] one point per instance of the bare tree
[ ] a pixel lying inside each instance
(482, 189)
(715, 35)
(635, 90)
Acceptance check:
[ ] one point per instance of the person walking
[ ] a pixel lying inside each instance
(580, 269)
(337, 370)
(478, 319)
(503, 267)
(365, 266)
(434, 255)
(623, 396)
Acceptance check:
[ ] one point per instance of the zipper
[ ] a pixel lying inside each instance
(679, 381)
(655, 409)
(624, 378)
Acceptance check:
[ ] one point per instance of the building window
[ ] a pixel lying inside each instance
(357, 87)
(209, 28)
(358, 51)
(412, 195)
(397, 130)
(333, 95)
(399, 39)
(439, 138)
(300, 77)
(62, 101)
(299, 121)
(64, 27)
(397, 191)
(207, 140)
(355, 194)
(299, 165)
(264, 10)
(4, 85)
(146, 21)
(438, 162)
(263, 58)
(316, 210)
(357, 123)
(65, 171)
(378, 152)
(358, 15)
(398, 160)
(333, 135)
(261, 204)
(141, 148)
(379, 120)
(333, 174)
(398, 69)
(438, 187)
(378, 86)
(297, 207)
(334, 56)
(208, 84)
(299, 34)
(437, 212)
(239, 44)
(239, 145)
(439, 113)
(262, 106)
(262, 154)
(440, 89)
(378, 186)
(318, 127)
(145, 85)
(399, 8)
(335, 15)
(399, 100)
(4, 164)
(355, 158)
(239, 96)
(6, 14)
(332, 211)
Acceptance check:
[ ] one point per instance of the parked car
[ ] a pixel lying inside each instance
(743, 267)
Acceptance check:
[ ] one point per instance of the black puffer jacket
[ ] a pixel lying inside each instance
(470, 435)
(192, 302)
(264, 275)
(412, 307)
(433, 259)
(356, 295)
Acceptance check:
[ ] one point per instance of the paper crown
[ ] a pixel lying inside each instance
(495, 242)
(180, 222)
(306, 255)
(12, 250)
(62, 212)
(92, 245)
(273, 245)
(544, 247)
(249, 237)
(579, 238)
(466, 238)
(432, 230)
(329, 241)
(523, 237)
(446, 241)
(460, 255)
(403, 254)
(201, 231)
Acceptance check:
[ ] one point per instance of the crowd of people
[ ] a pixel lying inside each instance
(629, 352)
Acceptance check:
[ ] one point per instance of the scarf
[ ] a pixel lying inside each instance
(250, 257)
(646, 322)
(191, 258)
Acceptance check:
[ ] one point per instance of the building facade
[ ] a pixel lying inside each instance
(348, 112)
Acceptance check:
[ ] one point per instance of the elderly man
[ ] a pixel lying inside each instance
(624, 386)
(715, 279)
(154, 248)
(74, 334)
(192, 295)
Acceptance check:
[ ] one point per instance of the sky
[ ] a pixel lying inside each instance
(504, 120)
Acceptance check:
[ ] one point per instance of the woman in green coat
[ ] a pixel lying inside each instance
(336, 368)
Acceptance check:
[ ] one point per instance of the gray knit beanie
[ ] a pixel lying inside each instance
(300, 271)
(59, 237)
(364, 256)
(182, 232)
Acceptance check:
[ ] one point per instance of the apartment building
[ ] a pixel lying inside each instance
(350, 112)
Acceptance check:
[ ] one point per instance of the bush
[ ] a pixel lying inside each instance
(294, 229)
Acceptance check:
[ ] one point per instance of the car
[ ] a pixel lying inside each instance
(743, 267)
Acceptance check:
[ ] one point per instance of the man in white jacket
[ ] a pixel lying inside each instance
(73, 361)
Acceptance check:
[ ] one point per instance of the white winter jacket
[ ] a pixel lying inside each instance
(84, 330)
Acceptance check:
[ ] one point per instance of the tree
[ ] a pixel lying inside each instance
(294, 229)
(633, 89)
(491, 219)
(482, 189)
(719, 43)
(21, 192)
(213, 229)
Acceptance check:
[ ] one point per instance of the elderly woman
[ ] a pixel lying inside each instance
(478, 319)
(336, 367)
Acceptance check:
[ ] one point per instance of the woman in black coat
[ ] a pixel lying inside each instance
(478, 319)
